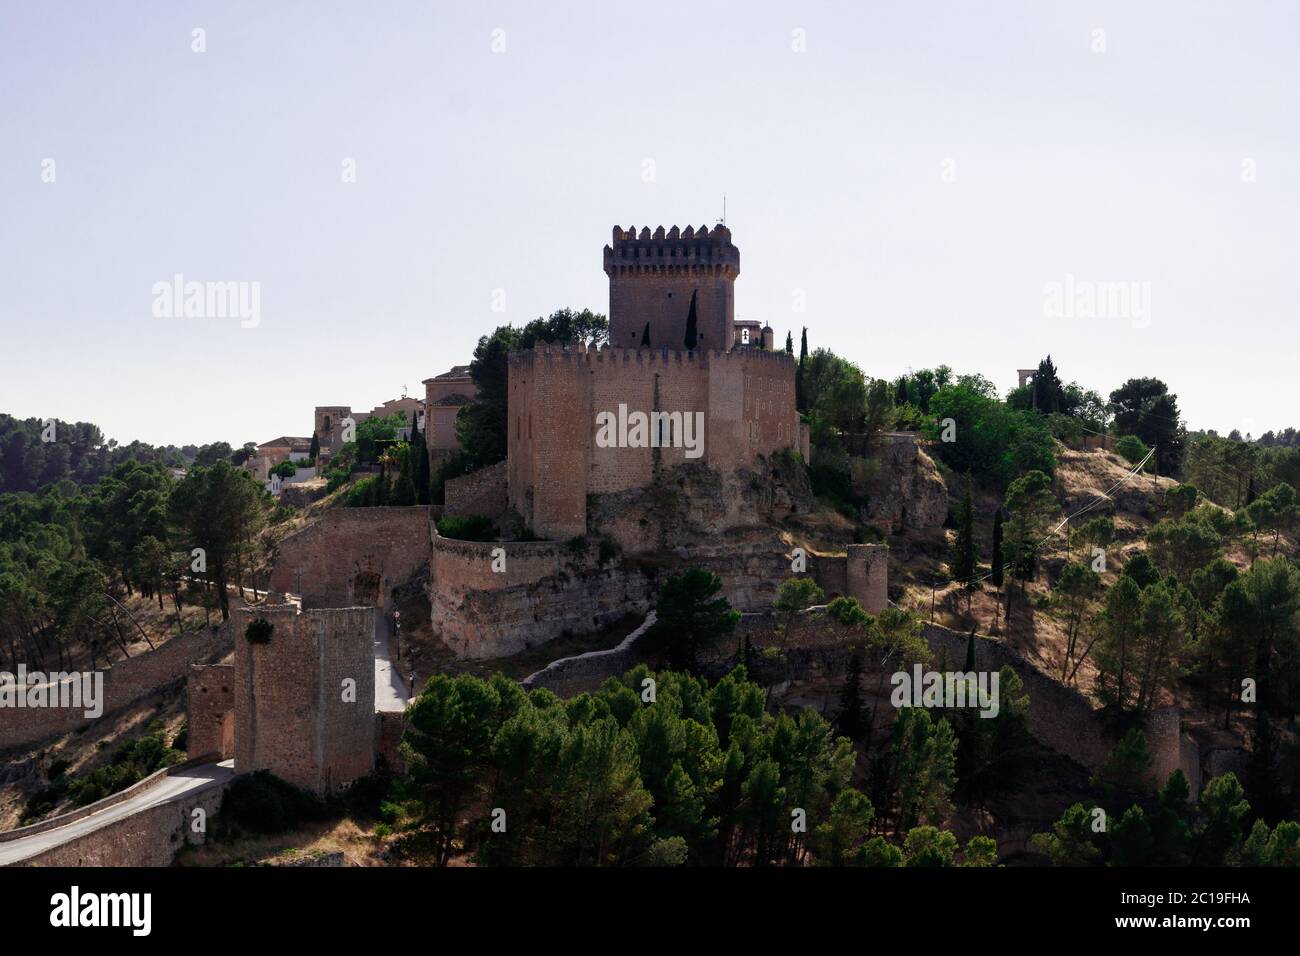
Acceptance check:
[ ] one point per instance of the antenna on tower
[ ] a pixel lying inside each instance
(723, 220)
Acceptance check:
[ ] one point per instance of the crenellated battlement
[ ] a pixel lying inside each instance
(685, 251)
(579, 353)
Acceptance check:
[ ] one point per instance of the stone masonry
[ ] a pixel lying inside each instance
(305, 699)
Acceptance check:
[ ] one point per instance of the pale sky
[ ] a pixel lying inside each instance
(915, 173)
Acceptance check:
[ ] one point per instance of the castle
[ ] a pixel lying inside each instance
(672, 358)
(679, 437)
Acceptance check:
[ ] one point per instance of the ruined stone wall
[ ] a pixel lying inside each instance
(555, 395)
(546, 590)
(389, 727)
(586, 672)
(1059, 716)
(830, 571)
(344, 543)
(481, 492)
(1171, 749)
(210, 705)
(124, 683)
(327, 424)
(867, 575)
(291, 715)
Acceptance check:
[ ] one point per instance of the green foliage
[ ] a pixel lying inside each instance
(77, 453)
(481, 425)
(690, 614)
(796, 594)
(1070, 841)
(1181, 546)
(467, 528)
(1030, 505)
(1226, 810)
(1128, 769)
(962, 565)
(1131, 449)
(222, 510)
(848, 612)
(131, 762)
(929, 846)
(914, 778)
(993, 442)
(1145, 409)
(694, 775)
(980, 851)
(285, 469)
(259, 631)
(261, 802)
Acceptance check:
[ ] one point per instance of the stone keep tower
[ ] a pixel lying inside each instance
(294, 716)
(653, 279)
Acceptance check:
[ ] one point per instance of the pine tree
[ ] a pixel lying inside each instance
(850, 720)
(692, 325)
(645, 336)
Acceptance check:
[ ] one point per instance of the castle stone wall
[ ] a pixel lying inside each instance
(210, 705)
(555, 395)
(481, 492)
(342, 552)
(546, 590)
(124, 683)
(867, 575)
(150, 837)
(291, 713)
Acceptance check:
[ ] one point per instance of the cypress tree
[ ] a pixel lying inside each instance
(962, 562)
(850, 722)
(315, 446)
(645, 336)
(419, 463)
(799, 403)
(692, 325)
(996, 576)
(789, 344)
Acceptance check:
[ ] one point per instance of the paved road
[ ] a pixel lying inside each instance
(390, 687)
(182, 783)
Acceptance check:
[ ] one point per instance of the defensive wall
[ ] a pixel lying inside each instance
(542, 589)
(746, 398)
(125, 682)
(353, 556)
(149, 837)
(481, 492)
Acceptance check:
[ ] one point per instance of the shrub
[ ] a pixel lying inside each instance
(263, 803)
(1131, 448)
(259, 631)
(467, 528)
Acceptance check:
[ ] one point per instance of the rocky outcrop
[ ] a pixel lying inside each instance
(903, 488)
